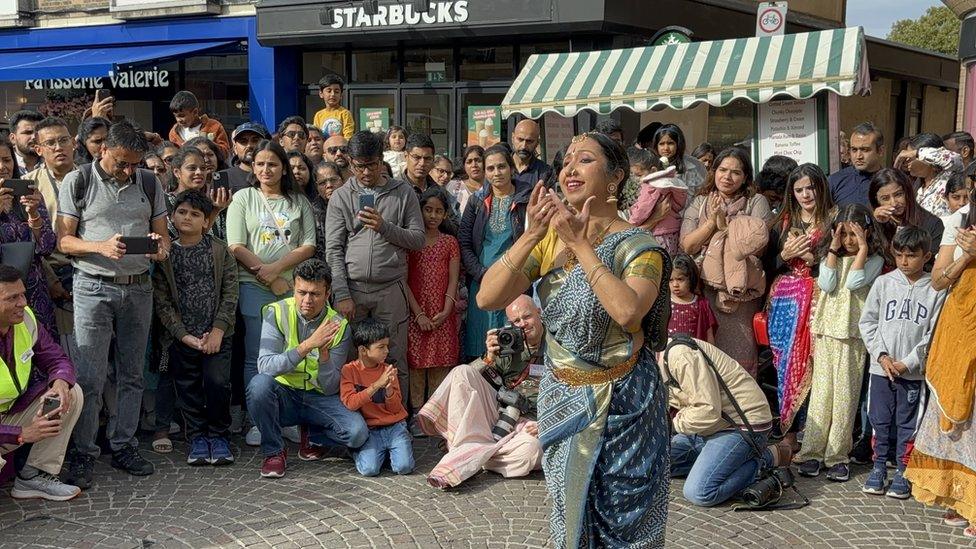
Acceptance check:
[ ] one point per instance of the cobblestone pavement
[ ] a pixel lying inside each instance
(325, 504)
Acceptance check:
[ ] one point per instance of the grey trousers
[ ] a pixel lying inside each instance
(390, 307)
(104, 309)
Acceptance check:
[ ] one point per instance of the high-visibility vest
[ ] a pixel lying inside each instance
(305, 376)
(14, 382)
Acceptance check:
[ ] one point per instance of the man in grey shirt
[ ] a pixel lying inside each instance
(304, 344)
(98, 205)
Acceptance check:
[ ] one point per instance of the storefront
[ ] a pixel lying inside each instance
(142, 64)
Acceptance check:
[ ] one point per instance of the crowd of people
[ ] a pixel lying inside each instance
(351, 291)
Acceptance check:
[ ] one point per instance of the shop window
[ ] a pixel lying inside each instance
(527, 50)
(316, 64)
(220, 82)
(480, 64)
(371, 67)
(729, 125)
(428, 65)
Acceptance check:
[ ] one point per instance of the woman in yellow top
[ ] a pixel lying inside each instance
(602, 406)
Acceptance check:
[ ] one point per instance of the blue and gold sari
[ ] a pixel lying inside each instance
(602, 407)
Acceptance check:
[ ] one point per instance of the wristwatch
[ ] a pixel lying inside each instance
(882, 356)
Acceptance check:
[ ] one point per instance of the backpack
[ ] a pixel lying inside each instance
(146, 177)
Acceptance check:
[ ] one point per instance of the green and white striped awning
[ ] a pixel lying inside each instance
(682, 75)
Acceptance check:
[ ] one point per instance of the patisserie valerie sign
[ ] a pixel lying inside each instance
(154, 78)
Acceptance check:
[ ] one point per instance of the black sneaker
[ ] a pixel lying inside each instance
(78, 470)
(809, 468)
(131, 461)
(862, 454)
(839, 473)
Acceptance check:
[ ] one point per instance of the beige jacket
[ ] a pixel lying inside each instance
(694, 390)
(49, 191)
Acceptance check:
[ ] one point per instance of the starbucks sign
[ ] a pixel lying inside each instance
(394, 15)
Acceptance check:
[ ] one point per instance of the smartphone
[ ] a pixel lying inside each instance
(221, 182)
(51, 403)
(140, 245)
(367, 201)
(21, 187)
(101, 94)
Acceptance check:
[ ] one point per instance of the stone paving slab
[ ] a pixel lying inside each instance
(326, 504)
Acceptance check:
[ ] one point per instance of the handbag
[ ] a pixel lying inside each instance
(19, 255)
(760, 326)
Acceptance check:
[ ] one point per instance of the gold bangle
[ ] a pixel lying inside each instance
(593, 270)
(508, 264)
(449, 296)
(593, 274)
(597, 279)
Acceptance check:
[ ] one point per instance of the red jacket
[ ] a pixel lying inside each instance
(209, 127)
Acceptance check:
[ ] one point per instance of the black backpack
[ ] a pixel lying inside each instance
(147, 178)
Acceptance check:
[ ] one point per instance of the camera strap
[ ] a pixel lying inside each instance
(682, 339)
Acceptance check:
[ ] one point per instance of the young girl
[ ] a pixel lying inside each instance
(690, 313)
(443, 170)
(432, 288)
(957, 192)
(852, 258)
(396, 150)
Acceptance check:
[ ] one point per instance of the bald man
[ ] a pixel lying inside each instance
(525, 142)
(335, 149)
(465, 408)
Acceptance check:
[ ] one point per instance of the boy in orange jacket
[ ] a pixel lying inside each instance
(369, 385)
(190, 123)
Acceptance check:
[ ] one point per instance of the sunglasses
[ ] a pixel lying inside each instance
(340, 149)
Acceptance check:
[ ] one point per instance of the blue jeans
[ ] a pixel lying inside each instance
(273, 406)
(103, 310)
(718, 466)
(252, 300)
(391, 439)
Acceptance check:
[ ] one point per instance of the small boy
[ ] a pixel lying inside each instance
(195, 292)
(334, 119)
(190, 123)
(369, 385)
(896, 325)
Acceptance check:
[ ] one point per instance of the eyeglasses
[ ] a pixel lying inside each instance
(419, 158)
(363, 166)
(440, 170)
(159, 170)
(294, 134)
(340, 149)
(329, 180)
(122, 165)
(63, 141)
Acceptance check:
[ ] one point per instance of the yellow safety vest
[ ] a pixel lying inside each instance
(14, 383)
(305, 376)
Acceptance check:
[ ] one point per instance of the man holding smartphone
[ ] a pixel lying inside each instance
(367, 245)
(98, 206)
(38, 371)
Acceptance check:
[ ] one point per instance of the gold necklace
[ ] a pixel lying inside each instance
(572, 260)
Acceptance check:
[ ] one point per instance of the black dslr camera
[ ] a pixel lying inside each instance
(511, 340)
(769, 489)
(511, 406)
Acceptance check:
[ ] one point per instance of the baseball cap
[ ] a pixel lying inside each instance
(252, 127)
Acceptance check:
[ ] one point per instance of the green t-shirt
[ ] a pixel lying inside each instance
(249, 223)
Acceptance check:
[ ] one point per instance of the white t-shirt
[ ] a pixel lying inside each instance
(189, 133)
(952, 223)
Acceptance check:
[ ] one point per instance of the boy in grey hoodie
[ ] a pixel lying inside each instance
(896, 324)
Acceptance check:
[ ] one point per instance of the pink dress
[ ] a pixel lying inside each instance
(428, 275)
(693, 318)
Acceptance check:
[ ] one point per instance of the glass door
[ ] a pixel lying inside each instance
(373, 110)
(479, 97)
(431, 111)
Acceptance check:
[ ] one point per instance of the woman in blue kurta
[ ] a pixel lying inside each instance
(602, 407)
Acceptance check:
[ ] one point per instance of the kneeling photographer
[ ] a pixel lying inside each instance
(485, 411)
(721, 428)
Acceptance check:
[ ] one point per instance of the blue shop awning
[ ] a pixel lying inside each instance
(92, 62)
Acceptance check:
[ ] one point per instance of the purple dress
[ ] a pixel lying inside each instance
(13, 229)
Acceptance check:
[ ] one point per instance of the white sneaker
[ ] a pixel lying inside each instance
(292, 434)
(44, 486)
(253, 437)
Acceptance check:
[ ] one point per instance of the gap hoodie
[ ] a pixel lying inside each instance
(361, 258)
(899, 318)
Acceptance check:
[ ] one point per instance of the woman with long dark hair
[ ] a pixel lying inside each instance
(602, 406)
(669, 142)
(270, 230)
(791, 257)
(303, 172)
(462, 189)
(894, 206)
(91, 134)
(729, 192)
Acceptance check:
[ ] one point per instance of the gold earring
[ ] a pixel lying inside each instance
(612, 193)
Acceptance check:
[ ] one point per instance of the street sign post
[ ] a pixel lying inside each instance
(771, 18)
